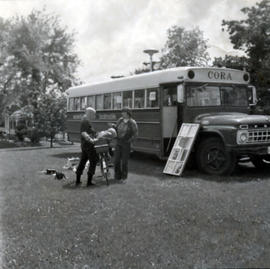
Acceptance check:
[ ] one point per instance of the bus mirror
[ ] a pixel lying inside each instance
(180, 93)
(252, 95)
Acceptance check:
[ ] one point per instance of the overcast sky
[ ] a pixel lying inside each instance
(112, 34)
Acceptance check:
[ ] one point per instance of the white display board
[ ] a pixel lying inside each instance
(181, 149)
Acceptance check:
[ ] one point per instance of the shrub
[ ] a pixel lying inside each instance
(21, 130)
(33, 134)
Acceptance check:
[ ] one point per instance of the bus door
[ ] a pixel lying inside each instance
(180, 105)
(169, 111)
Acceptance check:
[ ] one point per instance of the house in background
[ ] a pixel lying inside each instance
(11, 121)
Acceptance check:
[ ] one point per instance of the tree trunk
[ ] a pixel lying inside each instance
(51, 144)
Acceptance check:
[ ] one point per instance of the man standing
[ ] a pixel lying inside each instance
(87, 145)
(127, 131)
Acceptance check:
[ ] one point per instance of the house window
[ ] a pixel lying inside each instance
(139, 99)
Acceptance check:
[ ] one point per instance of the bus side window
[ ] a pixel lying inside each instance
(99, 101)
(77, 103)
(71, 104)
(127, 99)
(170, 96)
(91, 101)
(83, 103)
(107, 101)
(152, 97)
(117, 100)
(139, 99)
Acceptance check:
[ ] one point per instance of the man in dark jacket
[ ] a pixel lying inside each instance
(127, 131)
(87, 145)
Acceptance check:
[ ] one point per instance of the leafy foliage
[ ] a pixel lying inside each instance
(234, 62)
(36, 64)
(252, 35)
(9, 73)
(184, 48)
(141, 70)
(21, 130)
(50, 114)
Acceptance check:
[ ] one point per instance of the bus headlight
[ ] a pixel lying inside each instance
(242, 137)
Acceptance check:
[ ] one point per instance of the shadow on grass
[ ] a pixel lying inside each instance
(99, 182)
(31, 148)
(13, 146)
(145, 164)
(150, 165)
(243, 173)
(67, 155)
(6, 144)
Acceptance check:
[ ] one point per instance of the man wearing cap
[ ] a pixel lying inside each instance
(127, 131)
(87, 145)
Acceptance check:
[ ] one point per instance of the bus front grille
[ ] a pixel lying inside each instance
(258, 136)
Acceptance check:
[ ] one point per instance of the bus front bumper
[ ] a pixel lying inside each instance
(250, 149)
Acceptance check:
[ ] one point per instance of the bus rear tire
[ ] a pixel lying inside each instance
(212, 158)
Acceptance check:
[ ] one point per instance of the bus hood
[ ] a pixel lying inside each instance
(234, 119)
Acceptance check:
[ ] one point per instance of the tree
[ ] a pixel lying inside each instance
(37, 58)
(252, 35)
(51, 114)
(184, 48)
(9, 73)
(141, 71)
(229, 61)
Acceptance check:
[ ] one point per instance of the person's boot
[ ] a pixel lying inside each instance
(78, 180)
(89, 181)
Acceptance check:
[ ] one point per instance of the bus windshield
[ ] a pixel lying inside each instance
(206, 95)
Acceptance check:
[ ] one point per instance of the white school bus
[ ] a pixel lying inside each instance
(218, 99)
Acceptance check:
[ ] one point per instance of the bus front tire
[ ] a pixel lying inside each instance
(212, 158)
